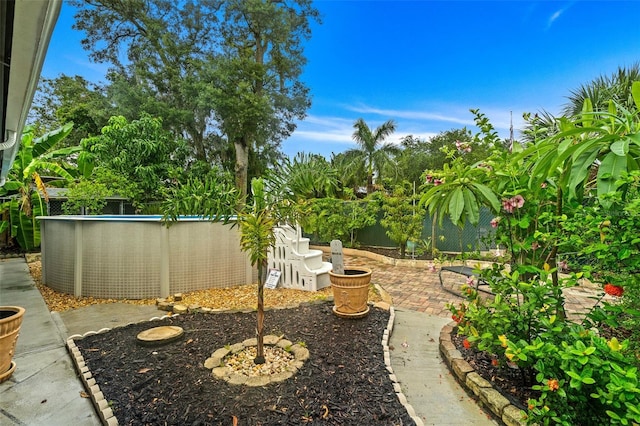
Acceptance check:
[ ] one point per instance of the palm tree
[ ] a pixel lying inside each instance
(307, 176)
(256, 237)
(351, 173)
(539, 126)
(371, 151)
(601, 90)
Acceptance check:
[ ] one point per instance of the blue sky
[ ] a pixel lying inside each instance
(424, 64)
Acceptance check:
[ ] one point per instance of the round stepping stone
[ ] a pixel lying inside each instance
(160, 335)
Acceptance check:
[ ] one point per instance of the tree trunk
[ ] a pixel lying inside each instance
(198, 145)
(242, 165)
(259, 359)
(369, 183)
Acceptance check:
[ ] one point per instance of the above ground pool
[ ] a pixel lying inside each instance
(139, 257)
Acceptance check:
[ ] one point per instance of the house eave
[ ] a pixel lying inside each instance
(27, 26)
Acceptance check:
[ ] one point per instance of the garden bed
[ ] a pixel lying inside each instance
(344, 381)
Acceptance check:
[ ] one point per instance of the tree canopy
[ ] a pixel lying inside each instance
(140, 151)
(219, 73)
(66, 99)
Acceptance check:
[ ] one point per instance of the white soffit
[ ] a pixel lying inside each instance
(33, 24)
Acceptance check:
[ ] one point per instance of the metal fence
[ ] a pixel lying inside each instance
(446, 238)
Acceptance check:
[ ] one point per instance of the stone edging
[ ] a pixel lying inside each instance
(387, 362)
(106, 413)
(214, 362)
(475, 385)
(93, 389)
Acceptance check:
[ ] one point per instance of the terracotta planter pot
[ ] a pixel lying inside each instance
(10, 321)
(351, 292)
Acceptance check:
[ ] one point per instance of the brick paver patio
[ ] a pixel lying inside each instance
(418, 289)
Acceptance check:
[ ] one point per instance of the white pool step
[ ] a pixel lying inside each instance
(301, 268)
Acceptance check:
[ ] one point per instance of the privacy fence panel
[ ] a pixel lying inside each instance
(447, 237)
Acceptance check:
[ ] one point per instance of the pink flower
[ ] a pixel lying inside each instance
(432, 268)
(513, 203)
(429, 179)
(543, 185)
(518, 200)
(463, 146)
(495, 221)
(437, 182)
(507, 206)
(535, 245)
(470, 280)
(563, 265)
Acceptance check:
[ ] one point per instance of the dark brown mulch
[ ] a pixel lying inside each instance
(344, 382)
(506, 380)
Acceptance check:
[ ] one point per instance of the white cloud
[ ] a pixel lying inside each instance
(324, 134)
(555, 15)
(412, 115)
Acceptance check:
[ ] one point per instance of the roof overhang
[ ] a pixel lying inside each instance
(26, 28)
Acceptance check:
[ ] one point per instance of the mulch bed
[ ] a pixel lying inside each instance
(344, 382)
(506, 380)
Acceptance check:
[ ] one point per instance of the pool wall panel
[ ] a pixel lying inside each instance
(138, 257)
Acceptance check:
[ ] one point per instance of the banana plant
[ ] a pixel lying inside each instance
(24, 182)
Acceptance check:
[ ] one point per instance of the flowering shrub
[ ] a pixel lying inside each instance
(513, 203)
(583, 379)
(549, 202)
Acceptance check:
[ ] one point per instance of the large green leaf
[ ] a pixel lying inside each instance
(610, 170)
(488, 195)
(587, 107)
(62, 152)
(635, 138)
(86, 163)
(47, 141)
(456, 205)
(580, 170)
(471, 206)
(12, 185)
(620, 147)
(635, 92)
(51, 167)
(21, 227)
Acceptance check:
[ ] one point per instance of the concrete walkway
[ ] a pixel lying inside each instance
(44, 389)
(436, 396)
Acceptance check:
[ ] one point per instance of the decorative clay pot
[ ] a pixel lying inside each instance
(351, 292)
(10, 321)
